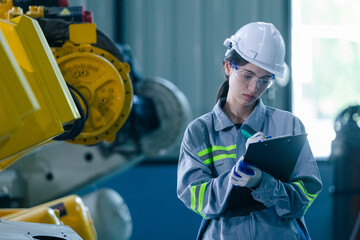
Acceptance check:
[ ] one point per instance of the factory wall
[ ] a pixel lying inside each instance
(182, 41)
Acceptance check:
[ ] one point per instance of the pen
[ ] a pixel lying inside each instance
(248, 132)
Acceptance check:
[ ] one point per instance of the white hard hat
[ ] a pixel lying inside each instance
(260, 44)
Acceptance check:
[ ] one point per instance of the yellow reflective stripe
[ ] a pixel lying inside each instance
(218, 157)
(214, 148)
(201, 198)
(193, 197)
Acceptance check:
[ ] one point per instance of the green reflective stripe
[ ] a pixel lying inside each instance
(309, 196)
(193, 197)
(216, 153)
(201, 198)
(214, 148)
(203, 152)
(308, 206)
(219, 157)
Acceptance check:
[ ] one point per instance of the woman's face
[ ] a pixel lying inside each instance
(244, 85)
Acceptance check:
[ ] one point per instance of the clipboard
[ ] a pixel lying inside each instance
(276, 156)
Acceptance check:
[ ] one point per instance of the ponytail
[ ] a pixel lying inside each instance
(223, 90)
(234, 57)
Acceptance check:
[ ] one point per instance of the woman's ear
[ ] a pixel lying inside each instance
(227, 68)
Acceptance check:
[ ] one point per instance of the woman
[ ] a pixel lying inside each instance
(210, 168)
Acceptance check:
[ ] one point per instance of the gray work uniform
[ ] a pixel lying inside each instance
(211, 147)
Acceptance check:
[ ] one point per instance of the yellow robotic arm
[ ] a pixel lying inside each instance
(36, 104)
(76, 89)
(101, 79)
(30, 58)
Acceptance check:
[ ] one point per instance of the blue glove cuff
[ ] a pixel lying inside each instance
(244, 168)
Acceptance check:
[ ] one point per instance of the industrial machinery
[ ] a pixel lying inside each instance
(73, 111)
(345, 154)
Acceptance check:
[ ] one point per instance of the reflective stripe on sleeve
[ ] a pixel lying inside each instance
(309, 196)
(193, 200)
(197, 198)
(216, 153)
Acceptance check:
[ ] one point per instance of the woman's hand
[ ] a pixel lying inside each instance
(245, 175)
(257, 137)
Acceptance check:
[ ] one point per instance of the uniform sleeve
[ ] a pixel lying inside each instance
(196, 187)
(292, 199)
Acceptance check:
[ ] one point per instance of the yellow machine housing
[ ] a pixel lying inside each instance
(38, 103)
(69, 210)
(5, 6)
(101, 78)
(35, 11)
(9, 11)
(39, 215)
(34, 59)
(17, 99)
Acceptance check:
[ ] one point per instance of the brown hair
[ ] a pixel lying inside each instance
(234, 57)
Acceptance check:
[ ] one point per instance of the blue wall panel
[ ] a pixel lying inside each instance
(150, 193)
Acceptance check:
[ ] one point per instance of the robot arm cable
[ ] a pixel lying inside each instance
(74, 129)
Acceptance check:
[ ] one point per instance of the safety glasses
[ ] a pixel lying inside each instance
(247, 77)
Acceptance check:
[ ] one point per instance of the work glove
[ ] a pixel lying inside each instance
(257, 137)
(245, 174)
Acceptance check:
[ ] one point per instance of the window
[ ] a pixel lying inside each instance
(325, 65)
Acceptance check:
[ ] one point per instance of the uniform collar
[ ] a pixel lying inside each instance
(257, 116)
(221, 121)
(255, 120)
